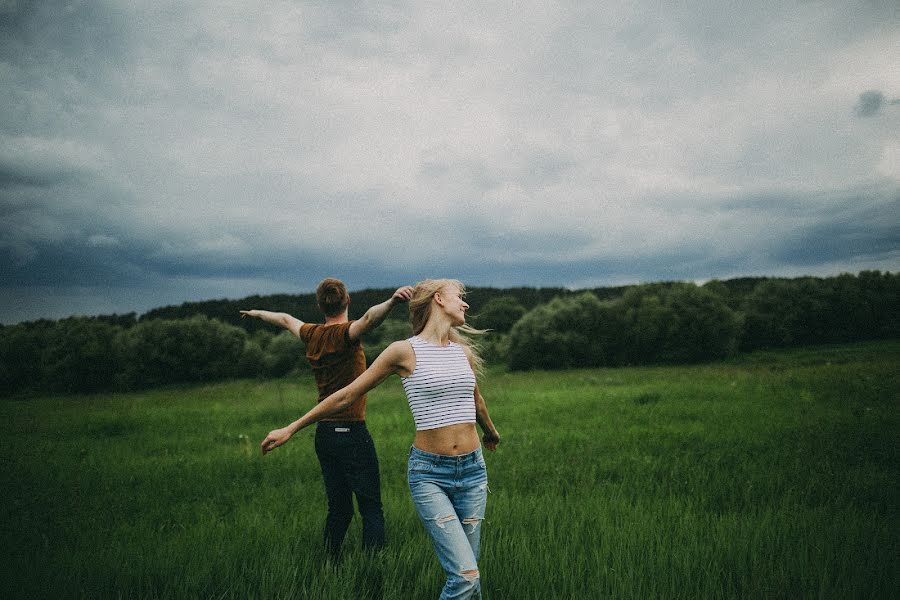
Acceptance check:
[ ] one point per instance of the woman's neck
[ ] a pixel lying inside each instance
(436, 332)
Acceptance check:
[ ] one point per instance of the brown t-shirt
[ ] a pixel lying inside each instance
(336, 361)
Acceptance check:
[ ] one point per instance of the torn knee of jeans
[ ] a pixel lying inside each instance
(441, 521)
(470, 575)
(471, 522)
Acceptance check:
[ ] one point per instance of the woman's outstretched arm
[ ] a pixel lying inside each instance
(392, 360)
(490, 438)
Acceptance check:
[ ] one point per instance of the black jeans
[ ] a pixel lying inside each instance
(350, 466)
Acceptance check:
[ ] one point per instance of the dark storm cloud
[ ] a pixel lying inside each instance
(154, 152)
(69, 264)
(684, 263)
(856, 234)
(869, 103)
(37, 169)
(60, 46)
(13, 177)
(103, 260)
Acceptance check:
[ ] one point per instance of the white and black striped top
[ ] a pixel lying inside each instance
(441, 390)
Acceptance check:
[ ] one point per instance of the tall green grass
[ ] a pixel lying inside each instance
(774, 475)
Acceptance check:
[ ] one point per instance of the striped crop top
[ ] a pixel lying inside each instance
(441, 390)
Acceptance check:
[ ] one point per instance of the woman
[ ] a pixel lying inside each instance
(446, 470)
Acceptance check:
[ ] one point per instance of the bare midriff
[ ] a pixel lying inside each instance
(451, 440)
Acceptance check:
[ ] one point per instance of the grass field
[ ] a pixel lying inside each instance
(774, 475)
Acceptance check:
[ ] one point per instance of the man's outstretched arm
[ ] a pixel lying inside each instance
(376, 314)
(285, 320)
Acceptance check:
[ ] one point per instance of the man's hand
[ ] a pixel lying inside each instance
(403, 294)
(275, 438)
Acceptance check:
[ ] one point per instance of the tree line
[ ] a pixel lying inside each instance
(532, 328)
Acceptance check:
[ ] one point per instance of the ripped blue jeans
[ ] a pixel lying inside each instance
(450, 494)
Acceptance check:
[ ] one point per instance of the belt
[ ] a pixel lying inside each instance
(342, 426)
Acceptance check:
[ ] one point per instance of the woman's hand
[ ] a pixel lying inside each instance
(275, 438)
(491, 439)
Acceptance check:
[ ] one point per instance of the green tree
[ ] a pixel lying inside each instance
(705, 327)
(675, 322)
(157, 352)
(80, 356)
(881, 293)
(21, 356)
(648, 325)
(284, 354)
(563, 333)
(499, 314)
(376, 340)
(252, 361)
(781, 312)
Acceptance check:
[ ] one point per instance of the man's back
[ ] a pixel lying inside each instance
(336, 361)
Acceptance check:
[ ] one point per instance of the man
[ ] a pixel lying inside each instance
(343, 444)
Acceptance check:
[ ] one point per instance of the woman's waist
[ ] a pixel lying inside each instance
(451, 440)
(465, 461)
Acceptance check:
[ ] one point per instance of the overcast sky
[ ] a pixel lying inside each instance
(156, 152)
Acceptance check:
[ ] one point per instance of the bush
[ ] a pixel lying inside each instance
(563, 333)
(283, 354)
(376, 340)
(494, 348)
(253, 360)
(674, 323)
(80, 356)
(499, 314)
(653, 323)
(21, 356)
(792, 312)
(159, 352)
(780, 312)
(706, 329)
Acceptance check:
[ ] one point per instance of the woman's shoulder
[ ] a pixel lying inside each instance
(401, 355)
(400, 347)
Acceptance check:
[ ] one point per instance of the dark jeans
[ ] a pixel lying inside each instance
(350, 466)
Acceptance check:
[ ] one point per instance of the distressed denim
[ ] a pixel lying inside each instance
(350, 467)
(450, 494)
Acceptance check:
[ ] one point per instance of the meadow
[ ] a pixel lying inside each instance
(771, 475)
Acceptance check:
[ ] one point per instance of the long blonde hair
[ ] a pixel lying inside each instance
(420, 311)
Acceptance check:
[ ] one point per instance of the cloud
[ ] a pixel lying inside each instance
(869, 104)
(43, 162)
(889, 165)
(99, 240)
(211, 147)
(858, 230)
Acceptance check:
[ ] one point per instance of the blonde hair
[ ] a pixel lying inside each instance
(420, 312)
